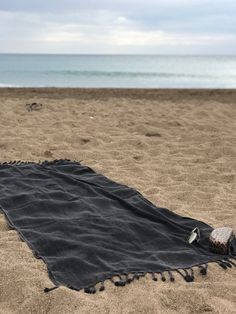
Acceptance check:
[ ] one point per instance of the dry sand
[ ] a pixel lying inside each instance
(176, 147)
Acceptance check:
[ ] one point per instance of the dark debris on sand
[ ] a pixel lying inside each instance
(34, 106)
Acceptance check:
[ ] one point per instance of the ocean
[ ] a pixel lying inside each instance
(122, 71)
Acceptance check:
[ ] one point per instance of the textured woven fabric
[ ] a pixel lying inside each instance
(87, 228)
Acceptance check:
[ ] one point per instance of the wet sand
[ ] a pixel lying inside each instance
(177, 147)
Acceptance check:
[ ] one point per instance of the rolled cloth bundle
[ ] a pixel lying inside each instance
(88, 229)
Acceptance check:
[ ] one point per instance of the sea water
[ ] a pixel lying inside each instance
(123, 71)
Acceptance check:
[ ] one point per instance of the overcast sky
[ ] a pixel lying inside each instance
(118, 26)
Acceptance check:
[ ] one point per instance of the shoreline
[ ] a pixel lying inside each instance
(163, 94)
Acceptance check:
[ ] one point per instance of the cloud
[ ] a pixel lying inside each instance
(177, 26)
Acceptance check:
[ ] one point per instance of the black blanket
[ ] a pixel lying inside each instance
(87, 228)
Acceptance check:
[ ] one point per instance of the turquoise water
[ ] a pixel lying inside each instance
(117, 71)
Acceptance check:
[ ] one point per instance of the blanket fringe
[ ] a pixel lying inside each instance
(186, 273)
(43, 162)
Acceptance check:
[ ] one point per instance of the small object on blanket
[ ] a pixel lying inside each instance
(194, 236)
(221, 240)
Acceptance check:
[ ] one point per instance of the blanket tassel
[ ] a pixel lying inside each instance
(187, 277)
(102, 286)
(203, 269)
(222, 264)
(118, 283)
(154, 277)
(232, 263)
(128, 279)
(227, 263)
(171, 276)
(163, 278)
(46, 290)
(90, 290)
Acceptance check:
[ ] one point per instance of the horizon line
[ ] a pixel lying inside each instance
(118, 54)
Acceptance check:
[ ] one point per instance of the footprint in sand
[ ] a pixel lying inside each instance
(153, 134)
(48, 154)
(84, 140)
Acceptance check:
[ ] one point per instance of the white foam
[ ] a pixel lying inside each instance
(8, 85)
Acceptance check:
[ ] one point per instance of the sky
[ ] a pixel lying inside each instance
(118, 26)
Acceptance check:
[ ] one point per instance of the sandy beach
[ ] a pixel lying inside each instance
(176, 147)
